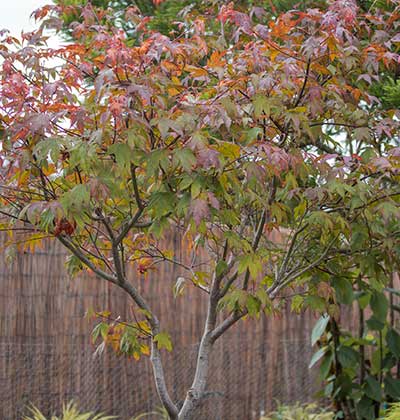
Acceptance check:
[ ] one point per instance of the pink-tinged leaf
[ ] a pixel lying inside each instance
(103, 78)
(98, 190)
(78, 117)
(258, 12)
(117, 105)
(395, 152)
(213, 201)
(396, 38)
(362, 133)
(390, 57)
(366, 77)
(144, 92)
(327, 157)
(345, 10)
(277, 157)
(262, 31)
(208, 158)
(253, 170)
(199, 210)
(88, 14)
(241, 20)
(315, 101)
(33, 211)
(39, 122)
(382, 163)
(225, 13)
(380, 37)
(42, 12)
(384, 128)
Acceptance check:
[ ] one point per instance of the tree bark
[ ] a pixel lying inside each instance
(196, 392)
(159, 379)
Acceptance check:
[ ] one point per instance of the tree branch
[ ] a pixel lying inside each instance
(255, 243)
(120, 281)
(300, 97)
(290, 250)
(67, 242)
(275, 288)
(226, 324)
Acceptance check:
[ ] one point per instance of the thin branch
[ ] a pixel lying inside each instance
(228, 284)
(135, 187)
(21, 191)
(255, 243)
(273, 290)
(300, 97)
(126, 324)
(290, 250)
(158, 370)
(133, 222)
(226, 324)
(93, 240)
(336, 124)
(67, 242)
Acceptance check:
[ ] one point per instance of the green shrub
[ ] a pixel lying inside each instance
(300, 412)
(69, 412)
(160, 412)
(393, 413)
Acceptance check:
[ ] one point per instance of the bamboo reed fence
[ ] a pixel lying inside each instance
(46, 357)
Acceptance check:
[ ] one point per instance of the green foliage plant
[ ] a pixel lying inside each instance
(360, 368)
(70, 411)
(393, 413)
(160, 413)
(300, 412)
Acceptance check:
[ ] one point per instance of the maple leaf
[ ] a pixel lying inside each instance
(199, 210)
(208, 158)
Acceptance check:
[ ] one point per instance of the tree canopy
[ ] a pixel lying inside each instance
(259, 126)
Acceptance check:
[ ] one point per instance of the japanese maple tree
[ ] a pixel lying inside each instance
(229, 136)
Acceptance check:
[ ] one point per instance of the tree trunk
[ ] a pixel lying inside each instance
(196, 392)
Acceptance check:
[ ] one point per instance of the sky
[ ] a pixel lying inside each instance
(15, 14)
